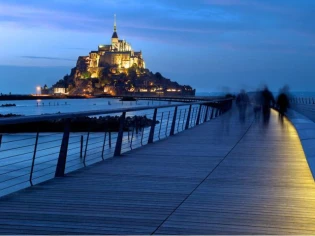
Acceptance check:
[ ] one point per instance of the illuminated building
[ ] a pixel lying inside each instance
(119, 53)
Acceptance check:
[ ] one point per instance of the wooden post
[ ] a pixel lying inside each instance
(188, 118)
(198, 117)
(151, 135)
(173, 122)
(61, 165)
(120, 135)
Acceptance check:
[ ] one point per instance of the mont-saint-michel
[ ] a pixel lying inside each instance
(116, 69)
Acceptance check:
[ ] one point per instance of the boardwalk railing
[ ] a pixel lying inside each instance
(302, 100)
(34, 148)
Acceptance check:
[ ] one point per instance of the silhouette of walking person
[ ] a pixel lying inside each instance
(268, 101)
(283, 101)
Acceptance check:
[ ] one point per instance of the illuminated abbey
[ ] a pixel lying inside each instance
(116, 69)
(119, 53)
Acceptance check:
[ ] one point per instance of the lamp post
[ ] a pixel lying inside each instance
(38, 90)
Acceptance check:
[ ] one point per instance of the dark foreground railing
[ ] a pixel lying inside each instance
(34, 149)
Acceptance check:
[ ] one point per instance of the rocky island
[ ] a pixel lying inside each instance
(116, 69)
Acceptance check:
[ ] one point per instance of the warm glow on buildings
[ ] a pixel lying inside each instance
(171, 90)
(59, 90)
(119, 53)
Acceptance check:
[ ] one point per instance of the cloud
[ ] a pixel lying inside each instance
(48, 58)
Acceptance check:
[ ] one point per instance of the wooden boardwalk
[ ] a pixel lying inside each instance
(222, 177)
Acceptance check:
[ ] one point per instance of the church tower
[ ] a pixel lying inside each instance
(115, 36)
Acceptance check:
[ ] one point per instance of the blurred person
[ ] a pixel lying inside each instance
(268, 101)
(242, 101)
(257, 101)
(283, 101)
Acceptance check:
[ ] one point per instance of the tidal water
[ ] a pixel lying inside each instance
(21, 162)
(39, 107)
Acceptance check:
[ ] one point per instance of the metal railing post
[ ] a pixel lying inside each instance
(161, 125)
(188, 118)
(184, 119)
(33, 161)
(198, 117)
(212, 113)
(173, 122)
(180, 115)
(133, 130)
(168, 118)
(151, 135)
(61, 165)
(206, 115)
(142, 132)
(195, 116)
(81, 146)
(120, 135)
(216, 112)
(86, 146)
(104, 143)
(110, 139)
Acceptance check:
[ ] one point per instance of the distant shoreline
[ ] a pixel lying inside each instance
(17, 97)
(44, 97)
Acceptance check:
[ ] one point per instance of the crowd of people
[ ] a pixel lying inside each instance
(262, 101)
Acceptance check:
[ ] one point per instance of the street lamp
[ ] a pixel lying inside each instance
(38, 90)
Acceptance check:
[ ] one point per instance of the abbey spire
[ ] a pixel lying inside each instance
(115, 33)
(114, 22)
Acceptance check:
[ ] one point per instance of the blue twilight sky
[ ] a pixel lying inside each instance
(213, 45)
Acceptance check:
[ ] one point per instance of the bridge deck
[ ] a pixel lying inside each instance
(220, 177)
